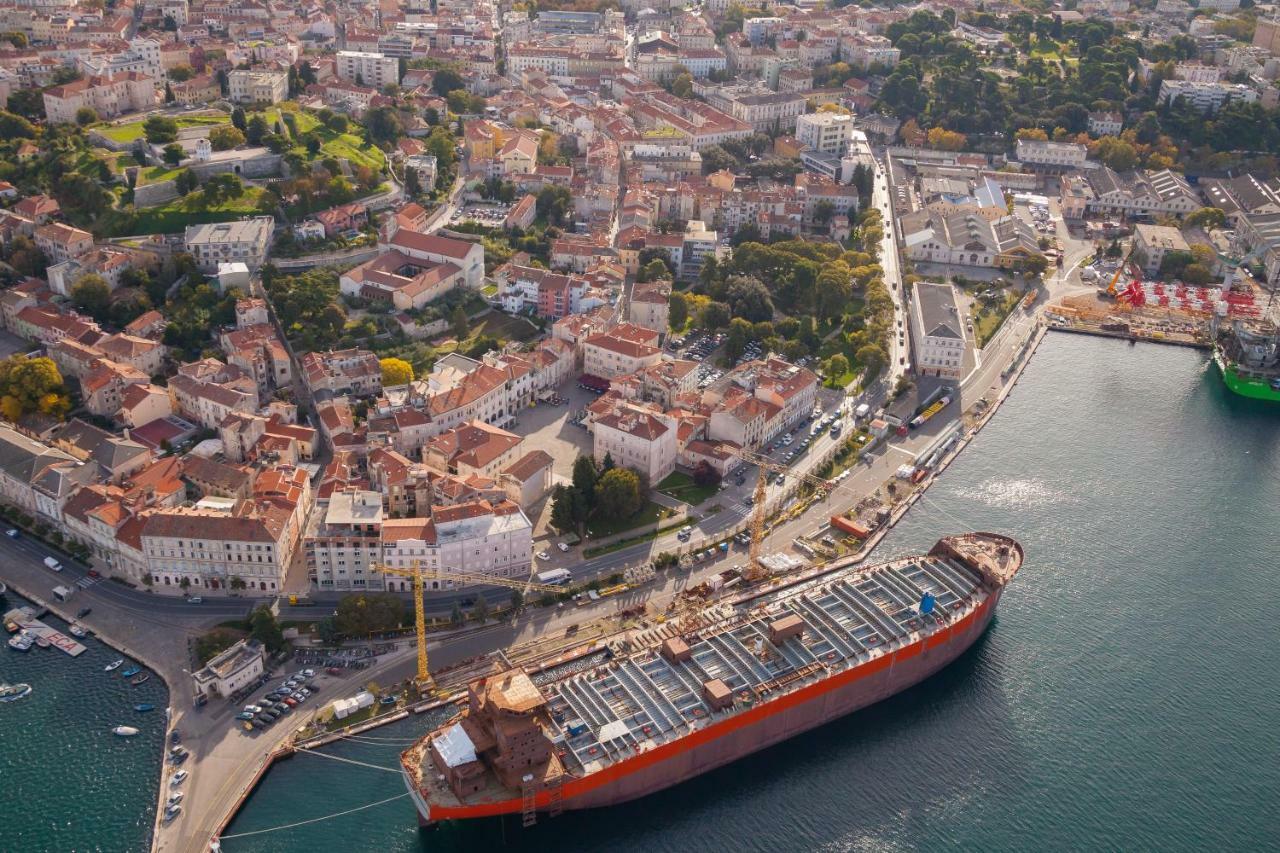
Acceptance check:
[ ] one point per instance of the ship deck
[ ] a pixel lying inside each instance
(642, 700)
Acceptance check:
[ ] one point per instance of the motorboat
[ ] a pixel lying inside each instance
(131, 672)
(13, 692)
(144, 707)
(124, 731)
(140, 679)
(77, 631)
(22, 641)
(115, 664)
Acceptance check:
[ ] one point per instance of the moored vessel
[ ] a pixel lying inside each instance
(22, 641)
(115, 664)
(124, 731)
(1247, 355)
(721, 685)
(13, 692)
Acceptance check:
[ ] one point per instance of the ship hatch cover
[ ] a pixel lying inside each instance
(615, 730)
(455, 747)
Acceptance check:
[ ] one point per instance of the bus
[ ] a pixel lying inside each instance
(554, 577)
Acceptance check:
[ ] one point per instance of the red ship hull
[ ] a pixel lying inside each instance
(751, 731)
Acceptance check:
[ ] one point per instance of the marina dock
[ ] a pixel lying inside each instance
(24, 619)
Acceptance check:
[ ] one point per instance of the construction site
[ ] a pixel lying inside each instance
(1135, 307)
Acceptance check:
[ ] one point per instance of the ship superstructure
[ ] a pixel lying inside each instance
(732, 681)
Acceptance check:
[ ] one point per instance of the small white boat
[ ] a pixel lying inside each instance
(124, 731)
(115, 664)
(77, 631)
(13, 692)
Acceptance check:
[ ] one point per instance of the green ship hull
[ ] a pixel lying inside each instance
(1251, 387)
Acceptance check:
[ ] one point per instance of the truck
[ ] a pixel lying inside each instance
(554, 577)
(862, 411)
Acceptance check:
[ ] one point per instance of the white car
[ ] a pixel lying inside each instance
(544, 555)
(253, 709)
(178, 778)
(564, 549)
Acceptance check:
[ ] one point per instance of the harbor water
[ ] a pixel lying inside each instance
(69, 784)
(1121, 700)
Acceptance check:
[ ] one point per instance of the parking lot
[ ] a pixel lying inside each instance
(490, 214)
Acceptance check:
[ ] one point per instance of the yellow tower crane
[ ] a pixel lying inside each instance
(420, 574)
(756, 570)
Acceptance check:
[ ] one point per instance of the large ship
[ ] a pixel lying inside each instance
(728, 682)
(1248, 356)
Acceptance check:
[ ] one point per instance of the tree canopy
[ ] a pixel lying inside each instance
(31, 385)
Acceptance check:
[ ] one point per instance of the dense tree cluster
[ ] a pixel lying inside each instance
(31, 385)
(604, 492)
(307, 305)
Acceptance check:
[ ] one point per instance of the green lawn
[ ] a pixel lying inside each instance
(650, 513)
(682, 487)
(986, 324)
(495, 324)
(173, 217)
(349, 146)
(133, 130)
(156, 174)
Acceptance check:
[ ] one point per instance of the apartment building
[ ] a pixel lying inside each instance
(367, 69)
(623, 350)
(637, 438)
(107, 96)
(203, 549)
(1062, 155)
(829, 133)
(245, 241)
(1204, 96)
(346, 541)
(938, 337)
(477, 537)
(257, 87)
(1153, 242)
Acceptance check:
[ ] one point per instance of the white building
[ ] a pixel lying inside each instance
(477, 537)
(210, 547)
(346, 541)
(1066, 155)
(108, 97)
(619, 352)
(938, 336)
(230, 671)
(1153, 242)
(1205, 97)
(368, 69)
(245, 241)
(829, 133)
(637, 438)
(1106, 123)
(257, 87)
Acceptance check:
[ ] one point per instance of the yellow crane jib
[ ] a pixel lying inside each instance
(420, 574)
(756, 570)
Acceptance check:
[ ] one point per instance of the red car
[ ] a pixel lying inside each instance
(93, 573)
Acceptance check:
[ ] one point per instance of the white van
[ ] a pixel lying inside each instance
(53, 564)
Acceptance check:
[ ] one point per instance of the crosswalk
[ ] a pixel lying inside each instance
(86, 582)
